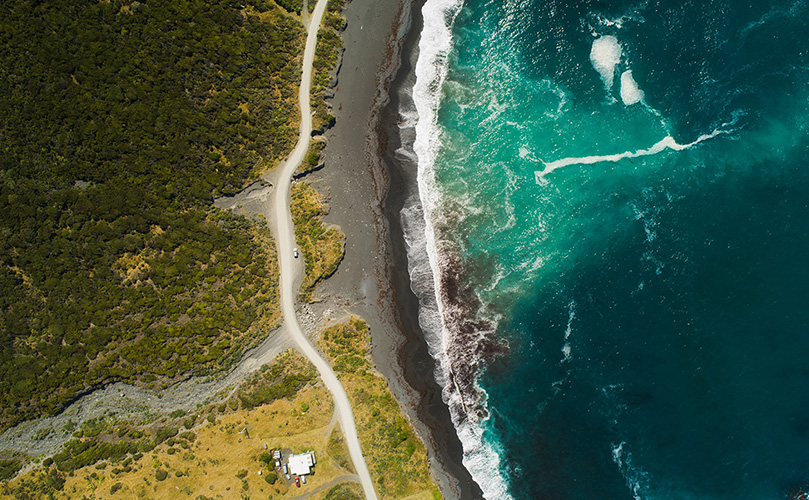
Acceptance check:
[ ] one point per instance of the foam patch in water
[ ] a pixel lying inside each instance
(605, 56)
(630, 93)
(667, 142)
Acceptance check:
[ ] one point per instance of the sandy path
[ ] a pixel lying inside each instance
(291, 268)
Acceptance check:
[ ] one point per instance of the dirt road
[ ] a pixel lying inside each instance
(291, 268)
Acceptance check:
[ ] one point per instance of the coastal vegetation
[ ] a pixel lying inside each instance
(121, 121)
(311, 161)
(327, 54)
(345, 491)
(395, 456)
(219, 448)
(220, 456)
(287, 375)
(322, 246)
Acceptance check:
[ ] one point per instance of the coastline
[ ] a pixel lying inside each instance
(366, 187)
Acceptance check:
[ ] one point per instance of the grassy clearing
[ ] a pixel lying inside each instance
(396, 457)
(218, 451)
(322, 247)
(219, 457)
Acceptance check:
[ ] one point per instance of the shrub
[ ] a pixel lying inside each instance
(81, 453)
(292, 6)
(164, 434)
(312, 159)
(188, 436)
(322, 247)
(8, 468)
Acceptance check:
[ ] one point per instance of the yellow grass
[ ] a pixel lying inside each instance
(395, 456)
(211, 464)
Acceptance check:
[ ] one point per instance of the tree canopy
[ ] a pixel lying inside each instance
(121, 121)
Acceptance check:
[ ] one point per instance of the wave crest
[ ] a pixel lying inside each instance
(456, 339)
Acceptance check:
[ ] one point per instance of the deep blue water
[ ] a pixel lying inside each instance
(654, 300)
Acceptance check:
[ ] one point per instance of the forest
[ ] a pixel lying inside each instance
(122, 120)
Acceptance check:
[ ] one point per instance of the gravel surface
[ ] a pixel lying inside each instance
(136, 405)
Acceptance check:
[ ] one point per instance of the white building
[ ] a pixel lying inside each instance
(301, 465)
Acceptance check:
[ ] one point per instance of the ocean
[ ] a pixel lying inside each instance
(610, 242)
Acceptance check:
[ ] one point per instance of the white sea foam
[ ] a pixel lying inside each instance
(630, 92)
(424, 251)
(549, 86)
(649, 219)
(666, 143)
(605, 55)
(636, 478)
(571, 315)
(529, 267)
(659, 265)
(634, 15)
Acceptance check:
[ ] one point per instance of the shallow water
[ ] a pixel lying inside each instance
(624, 186)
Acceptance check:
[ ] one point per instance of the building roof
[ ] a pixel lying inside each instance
(301, 464)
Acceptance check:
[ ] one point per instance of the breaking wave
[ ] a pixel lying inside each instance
(456, 339)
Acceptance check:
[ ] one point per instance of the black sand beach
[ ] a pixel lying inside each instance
(366, 185)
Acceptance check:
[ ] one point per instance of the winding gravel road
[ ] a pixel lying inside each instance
(291, 268)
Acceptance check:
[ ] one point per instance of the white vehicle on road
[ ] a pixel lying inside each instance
(285, 239)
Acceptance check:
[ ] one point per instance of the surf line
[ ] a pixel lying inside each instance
(667, 143)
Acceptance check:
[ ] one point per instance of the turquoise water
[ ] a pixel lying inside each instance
(622, 188)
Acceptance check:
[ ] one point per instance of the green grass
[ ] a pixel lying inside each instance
(322, 247)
